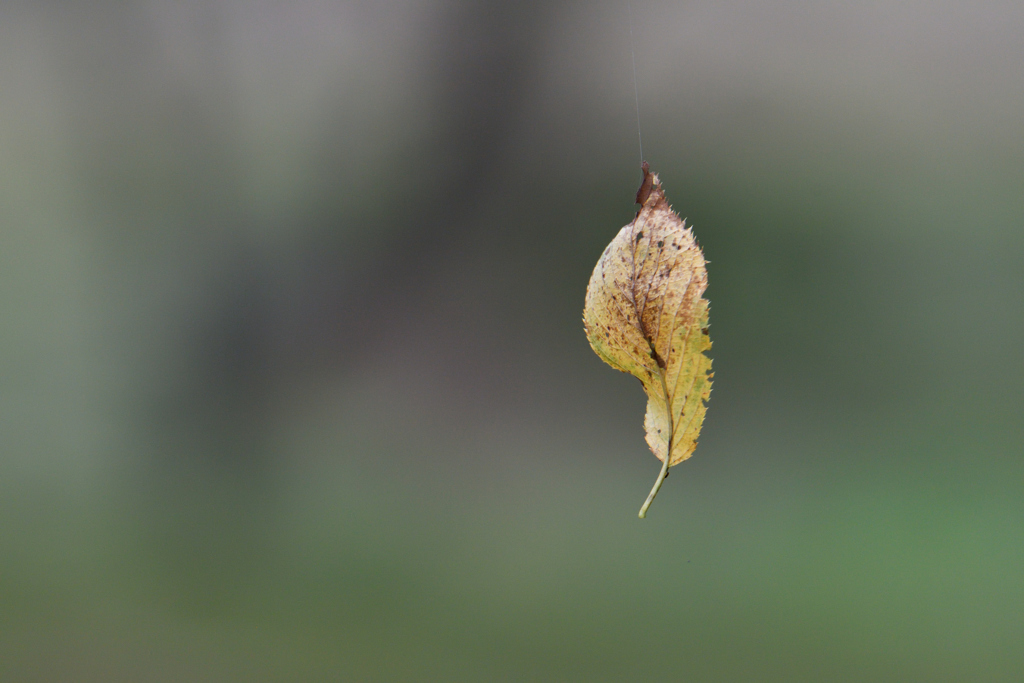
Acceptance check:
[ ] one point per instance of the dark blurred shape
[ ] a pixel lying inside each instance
(485, 62)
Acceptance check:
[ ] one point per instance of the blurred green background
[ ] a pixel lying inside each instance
(294, 385)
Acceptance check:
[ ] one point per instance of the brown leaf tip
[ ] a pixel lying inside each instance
(645, 187)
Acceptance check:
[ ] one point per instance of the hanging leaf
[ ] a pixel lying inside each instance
(644, 315)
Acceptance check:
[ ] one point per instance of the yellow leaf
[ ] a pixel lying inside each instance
(645, 315)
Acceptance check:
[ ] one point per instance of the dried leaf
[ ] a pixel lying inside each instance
(645, 315)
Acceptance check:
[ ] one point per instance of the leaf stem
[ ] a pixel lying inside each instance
(657, 486)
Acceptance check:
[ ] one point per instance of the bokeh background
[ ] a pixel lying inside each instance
(293, 380)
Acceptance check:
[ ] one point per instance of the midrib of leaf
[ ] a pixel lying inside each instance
(669, 408)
